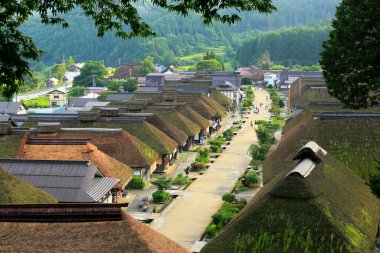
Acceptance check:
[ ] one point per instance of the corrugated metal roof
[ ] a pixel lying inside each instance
(4, 117)
(67, 181)
(100, 186)
(304, 168)
(95, 103)
(119, 96)
(9, 107)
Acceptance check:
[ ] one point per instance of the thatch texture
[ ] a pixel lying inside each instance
(220, 110)
(151, 96)
(336, 211)
(109, 166)
(170, 130)
(201, 107)
(10, 145)
(193, 116)
(119, 145)
(17, 191)
(178, 120)
(128, 235)
(220, 98)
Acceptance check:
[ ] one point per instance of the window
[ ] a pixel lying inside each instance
(56, 96)
(53, 103)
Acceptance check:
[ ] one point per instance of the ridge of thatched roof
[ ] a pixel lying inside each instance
(16, 191)
(336, 211)
(193, 116)
(117, 144)
(109, 166)
(178, 120)
(170, 130)
(151, 136)
(220, 98)
(220, 110)
(127, 235)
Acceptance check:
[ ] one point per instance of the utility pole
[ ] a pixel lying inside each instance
(63, 58)
(119, 62)
(130, 73)
(290, 63)
(93, 81)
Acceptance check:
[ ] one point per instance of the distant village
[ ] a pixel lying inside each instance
(86, 174)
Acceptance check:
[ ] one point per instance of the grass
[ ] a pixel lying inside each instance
(40, 102)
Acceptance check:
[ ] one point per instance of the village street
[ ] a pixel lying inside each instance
(186, 219)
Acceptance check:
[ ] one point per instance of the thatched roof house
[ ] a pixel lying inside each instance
(16, 191)
(200, 107)
(177, 119)
(220, 110)
(109, 166)
(323, 203)
(220, 98)
(193, 116)
(119, 233)
(170, 130)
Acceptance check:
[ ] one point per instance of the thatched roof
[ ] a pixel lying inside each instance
(17, 191)
(117, 144)
(220, 110)
(150, 96)
(202, 108)
(109, 166)
(335, 210)
(151, 136)
(10, 145)
(178, 120)
(193, 116)
(127, 235)
(220, 98)
(170, 130)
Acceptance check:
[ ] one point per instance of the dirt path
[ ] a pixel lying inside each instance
(185, 220)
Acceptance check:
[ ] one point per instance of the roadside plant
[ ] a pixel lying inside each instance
(229, 197)
(162, 183)
(160, 196)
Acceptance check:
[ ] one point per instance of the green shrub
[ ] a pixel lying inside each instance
(258, 152)
(229, 197)
(197, 167)
(212, 231)
(225, 214)
(281, 104)
(228, 134)
(216, 144)
(162, 183)
(40, 102)
(241, 203)
(136, 183)
(216, 149)
(251, 178)
(180, 179)
(202, 156)
(264, 135)
(160, 196)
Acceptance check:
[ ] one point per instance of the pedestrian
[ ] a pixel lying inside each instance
(251, 123)
(187, 170)
(243, 180)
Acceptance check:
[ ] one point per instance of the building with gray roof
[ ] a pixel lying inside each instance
(67, 181)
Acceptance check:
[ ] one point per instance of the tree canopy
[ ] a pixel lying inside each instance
(147, 66)
(121, 17)
(211, 64)
(91, 71)
(350, 57)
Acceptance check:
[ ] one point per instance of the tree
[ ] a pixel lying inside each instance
(58, 71)
(70, 62)
(130, 85)
(350, 57)
(122, 17)
(209, 55)
(91, 71)
(264, 61)
(211, 64)
(77, 91)
(147, 66)
(162, 183)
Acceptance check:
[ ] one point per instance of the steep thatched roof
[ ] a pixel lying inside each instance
(335, 210)
(151, 96)
(117, 144)
(220, 110)
(127, 235)
(220, 98)
(193, 116)
(109, 166)
(151, 136)
(202, 108)
(178, 120)
(170, 130)
(10, 145)
(17, 191)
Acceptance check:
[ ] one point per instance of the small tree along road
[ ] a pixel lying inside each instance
(122, 17)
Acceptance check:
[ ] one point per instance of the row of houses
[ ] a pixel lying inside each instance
(102, 148)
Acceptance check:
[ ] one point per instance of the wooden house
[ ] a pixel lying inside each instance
(57, 98)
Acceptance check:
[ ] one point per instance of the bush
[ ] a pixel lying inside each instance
(264, 135)
(225, 214)
(216, 144)
(180, 179)
(251, 178)
(136, 183)
(197, 167)
(229, 197)
(228, 134)
(281, 104)
(212, 231)
(216, 149)
(160, 196)
(241, 203)
(258, 152)
(162, 183)
(202, 156)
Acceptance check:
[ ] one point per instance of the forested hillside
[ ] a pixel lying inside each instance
(177, 36)
(299, 45)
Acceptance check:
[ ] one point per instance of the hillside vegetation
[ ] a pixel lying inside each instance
(177, 36)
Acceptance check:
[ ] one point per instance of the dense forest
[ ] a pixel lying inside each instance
(287, 46)
(176, 36)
